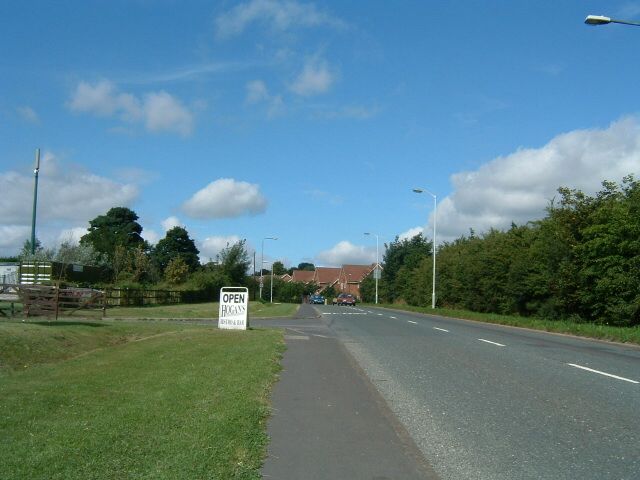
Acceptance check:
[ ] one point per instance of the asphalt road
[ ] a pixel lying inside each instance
(490, 402)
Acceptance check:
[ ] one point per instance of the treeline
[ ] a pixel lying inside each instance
(114, 243)
(580, 262)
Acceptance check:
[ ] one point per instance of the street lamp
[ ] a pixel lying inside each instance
(262, 261)
(435, 214)
(267, 262)
(376, 272)
(602, 20)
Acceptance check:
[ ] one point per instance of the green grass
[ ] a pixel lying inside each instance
(145, 400)
(590, 330)
(200, 310)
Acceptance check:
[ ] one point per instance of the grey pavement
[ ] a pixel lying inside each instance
(328, 421)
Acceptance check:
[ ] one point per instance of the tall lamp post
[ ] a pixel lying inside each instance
(435, 214)
(266, 262)
(36, 170)
(376, 270)
(602, 20)
(262, 261)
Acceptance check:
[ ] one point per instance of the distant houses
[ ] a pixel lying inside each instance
(345, 279)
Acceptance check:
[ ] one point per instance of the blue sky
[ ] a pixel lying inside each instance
(309, 121)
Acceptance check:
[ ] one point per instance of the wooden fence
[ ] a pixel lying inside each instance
(51, 301)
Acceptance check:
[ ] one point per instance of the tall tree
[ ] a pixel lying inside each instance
(119, 226)
(278, 268)
(176, 244)
(235, 262)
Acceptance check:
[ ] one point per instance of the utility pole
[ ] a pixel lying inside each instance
(35, 202)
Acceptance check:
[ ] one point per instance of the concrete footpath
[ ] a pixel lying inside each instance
(328, 420)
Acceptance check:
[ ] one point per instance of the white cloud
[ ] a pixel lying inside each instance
(165, 113)
(276, 15)
(519, 186)
(158, 111)
(170, 222)
(226, 198)
(257, 93)
(150, 236)
(315, 78)
(412, 232)
(346, 253)
(210, 247)
(67, 194)
(28, 114)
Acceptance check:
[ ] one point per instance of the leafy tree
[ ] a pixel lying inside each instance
(176, 243)
(278, 268)
(309, 267)
(119, 226)
(401, 256)
(235, 262)
(368, 289)
(176, 271)
(68, 252)
(291, 292)
(40, 253)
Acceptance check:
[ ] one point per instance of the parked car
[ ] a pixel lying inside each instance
(345, 299)
(316, 299)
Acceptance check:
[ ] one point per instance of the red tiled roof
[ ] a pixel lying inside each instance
(327, 275)
(356, 273)
(303, 276)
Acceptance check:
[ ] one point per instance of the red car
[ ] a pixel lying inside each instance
(345, 299)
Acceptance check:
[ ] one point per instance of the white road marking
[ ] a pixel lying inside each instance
(602, 373)
(321, 336)
(395, 318)
(441, 329)
(411, 321)
(380, 314)
(492, 343)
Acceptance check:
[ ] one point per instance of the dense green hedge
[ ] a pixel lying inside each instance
(580, 262)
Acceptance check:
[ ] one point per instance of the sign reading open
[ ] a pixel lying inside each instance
(234, 308)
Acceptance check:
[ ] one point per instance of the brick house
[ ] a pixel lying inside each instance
(326, 277)
(351, 276)
(305, 276)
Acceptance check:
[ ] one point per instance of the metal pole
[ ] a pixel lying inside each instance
(35, 203)
(261, 266)
(271, 299)
(377, 267)
(435, 215)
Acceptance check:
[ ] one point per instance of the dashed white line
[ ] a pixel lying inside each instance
(411, 321)
(395, 318)
(602, 373)
(441, 329)
(492, 343)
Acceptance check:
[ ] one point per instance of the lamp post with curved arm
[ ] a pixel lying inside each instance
(376, 270)
(602, 20)
(435, 206)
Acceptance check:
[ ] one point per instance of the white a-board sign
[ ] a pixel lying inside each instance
(234, 308)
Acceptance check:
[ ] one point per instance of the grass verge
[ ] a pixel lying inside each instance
(589, 330)
(119, 400)
(200, 310)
